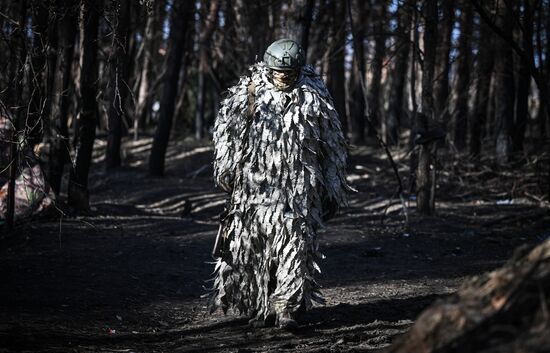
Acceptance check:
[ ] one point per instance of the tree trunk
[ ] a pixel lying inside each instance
(88, 115)
(297, 22)
(39, 81)
(118, 87)
(443, 62)
(524, 79)
(463, 75)
(252, 23)
(545, 123)
(18, 55)
(398, 74)
(204, 58)
(153, 36)
(336, 80)
(505, 91)
(59, 150)
(180, 17)
(358, 103)
(373, 98)
(484, 69)
(423, 179)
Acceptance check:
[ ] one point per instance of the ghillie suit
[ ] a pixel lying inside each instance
(287, 163)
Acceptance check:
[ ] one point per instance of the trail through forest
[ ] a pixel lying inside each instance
(128, 276)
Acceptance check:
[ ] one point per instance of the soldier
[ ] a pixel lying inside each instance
(281, 155)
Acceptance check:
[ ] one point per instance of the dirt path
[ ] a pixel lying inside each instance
(128, 276)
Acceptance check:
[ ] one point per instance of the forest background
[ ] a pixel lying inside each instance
(469, 78)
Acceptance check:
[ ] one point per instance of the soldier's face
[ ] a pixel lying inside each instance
(284, 80)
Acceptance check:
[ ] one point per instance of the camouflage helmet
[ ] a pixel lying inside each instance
(284, 54)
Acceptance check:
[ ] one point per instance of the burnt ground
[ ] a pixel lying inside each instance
(128, 276)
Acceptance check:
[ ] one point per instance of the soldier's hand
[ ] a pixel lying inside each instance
(225, 181)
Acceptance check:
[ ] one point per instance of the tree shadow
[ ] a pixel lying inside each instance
(346, 315)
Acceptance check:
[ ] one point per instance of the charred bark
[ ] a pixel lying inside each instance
(399, 74)
(118, 86)
(336, 80)
(204, 43)
(181, 14)
(88, 114)
(463, 76)
(524, 79)
(298, 22)
(424, 180)
(373, 97)
(18, 56)
(357, 85)
(59, 131)
(505, 87)
(484, 69)
(40, 83)
(443, 62)
(503, 311)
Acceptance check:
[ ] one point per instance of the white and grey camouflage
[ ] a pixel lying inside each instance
(288, 164)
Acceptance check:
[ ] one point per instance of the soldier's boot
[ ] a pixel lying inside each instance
(256, 322)
(286, 321)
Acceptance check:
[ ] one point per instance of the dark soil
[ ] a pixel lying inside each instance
(129, 275)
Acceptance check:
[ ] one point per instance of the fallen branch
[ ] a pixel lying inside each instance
(502, 311)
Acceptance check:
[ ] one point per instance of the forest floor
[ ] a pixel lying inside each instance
(128, 276)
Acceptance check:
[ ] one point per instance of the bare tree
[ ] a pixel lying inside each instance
(59, 133)
(118, 85)
(336, 79)
(298, 23)
(88, 115)
(147, 79)
(484, 69)
(38, 78)
(18, 57)
(443, 61)
(424, 190)
(398, 75)
(463, 75)
(205, 36)
(373, 97)
(181, 14)
(357, 85)
(505, 87)
(524, 77)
